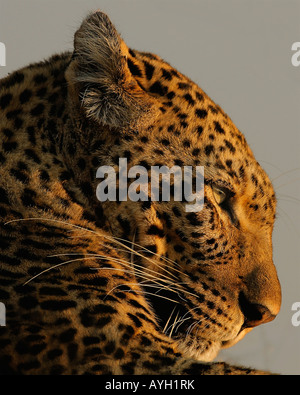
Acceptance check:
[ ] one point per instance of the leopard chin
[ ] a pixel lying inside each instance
(206, 350)
(199, 349)
(232, 342)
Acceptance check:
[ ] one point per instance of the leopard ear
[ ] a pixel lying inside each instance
(101, 78)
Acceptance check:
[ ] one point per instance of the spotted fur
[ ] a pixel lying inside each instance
(125, 287)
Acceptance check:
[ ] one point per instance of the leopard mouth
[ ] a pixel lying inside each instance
(176, 321)
(240, 335)
(172, 316)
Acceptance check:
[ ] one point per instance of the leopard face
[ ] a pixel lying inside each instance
(208, 275)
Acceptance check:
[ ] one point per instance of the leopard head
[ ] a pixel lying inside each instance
(208, 273)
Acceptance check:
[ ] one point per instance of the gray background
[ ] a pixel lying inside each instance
(239, 52)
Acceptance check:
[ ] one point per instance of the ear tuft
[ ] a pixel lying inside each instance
(108, 92)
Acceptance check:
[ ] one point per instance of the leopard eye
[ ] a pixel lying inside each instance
(219, 195)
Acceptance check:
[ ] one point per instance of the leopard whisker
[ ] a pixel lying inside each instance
(171, 327)
(190, 328)
(132, 251)
(174, 324)
(140, 291)
(164, 330)
(53, 267)
(285, 173)
(184, 318)
(141, 273)
(160, 287)
(113, 239)
(138, 272)
(166, 279)
(110, 238)
(132, 247)
(203, 319)
(76, 260)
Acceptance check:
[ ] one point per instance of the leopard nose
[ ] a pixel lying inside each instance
(254, 314)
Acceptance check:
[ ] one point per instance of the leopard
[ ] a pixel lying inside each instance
(118, 286)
